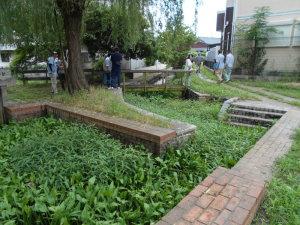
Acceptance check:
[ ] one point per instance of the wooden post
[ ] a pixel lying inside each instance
(165, 81)
(123, 74)
(2, 100)
(145, 81)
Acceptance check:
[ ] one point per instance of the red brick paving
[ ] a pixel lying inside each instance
(232, 196)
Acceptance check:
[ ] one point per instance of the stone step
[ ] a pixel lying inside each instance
(258, 108)
(250, 120)
(255, 113)
(242, 124)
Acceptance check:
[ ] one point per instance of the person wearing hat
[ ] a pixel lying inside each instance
(52, 68)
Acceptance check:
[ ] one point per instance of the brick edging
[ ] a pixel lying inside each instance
(232, 196)
(221, 198)
(156, 139)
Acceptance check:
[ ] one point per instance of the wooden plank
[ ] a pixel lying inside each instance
(2, 99)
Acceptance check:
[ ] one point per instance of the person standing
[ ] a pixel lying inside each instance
(228, 66)
(52, 68)
(198, 61)
(107, 71)
(220, 65)
(116, 60)
(188, 66)
(61, 74)
(188, 63)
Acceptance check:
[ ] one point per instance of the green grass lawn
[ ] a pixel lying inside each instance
(54, 172)
(97, 99)
(279, 87)
(282, 201)
(219, 90)
(208, 73)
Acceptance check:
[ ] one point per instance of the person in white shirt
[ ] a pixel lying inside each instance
(228, 66)
(188, 63)
(220, 65)
(107, 71)
(188, 66)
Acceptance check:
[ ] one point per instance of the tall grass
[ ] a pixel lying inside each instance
(96, 99)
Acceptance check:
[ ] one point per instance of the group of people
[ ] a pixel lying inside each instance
(223, 67)
(190, 60)
(112, 69)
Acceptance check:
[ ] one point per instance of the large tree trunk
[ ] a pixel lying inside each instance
(75, 78)
(72, 16)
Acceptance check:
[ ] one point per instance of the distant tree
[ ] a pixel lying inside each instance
(174, 44)
(252, 38)
(31, 26)
(107, 26)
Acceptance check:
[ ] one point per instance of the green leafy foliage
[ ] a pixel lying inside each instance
(53, 172)
(216, 142)
(174, 44)
(282, 202)
(120, 24)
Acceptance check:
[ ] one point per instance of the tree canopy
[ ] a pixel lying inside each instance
(40, 27)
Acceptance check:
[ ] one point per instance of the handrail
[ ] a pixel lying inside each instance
(123, 71)
(163, 73)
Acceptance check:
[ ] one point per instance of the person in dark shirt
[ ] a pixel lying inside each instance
(116, 59)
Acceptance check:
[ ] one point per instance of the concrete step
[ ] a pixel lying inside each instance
(255, 113)
(258, 108)
(250, 120)
(242, 124)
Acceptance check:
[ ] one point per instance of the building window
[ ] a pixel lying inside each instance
(5, 56)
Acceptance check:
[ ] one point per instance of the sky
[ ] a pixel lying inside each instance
(207, 16)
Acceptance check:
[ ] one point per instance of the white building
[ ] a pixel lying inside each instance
(283, 50)
(6, 53)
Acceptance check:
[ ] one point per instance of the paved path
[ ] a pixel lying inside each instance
(268, 93)
(203, 77)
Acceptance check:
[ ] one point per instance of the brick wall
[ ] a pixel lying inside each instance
(156, 139)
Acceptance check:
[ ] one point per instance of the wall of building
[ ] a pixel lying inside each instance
(281, 10)
(283, 60)
(283, 51)
(6, 50)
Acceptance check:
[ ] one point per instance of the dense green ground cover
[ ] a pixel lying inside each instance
(282, 201)
(280, 87)
(53, 172)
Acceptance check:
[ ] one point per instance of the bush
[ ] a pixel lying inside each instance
(98, 65)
